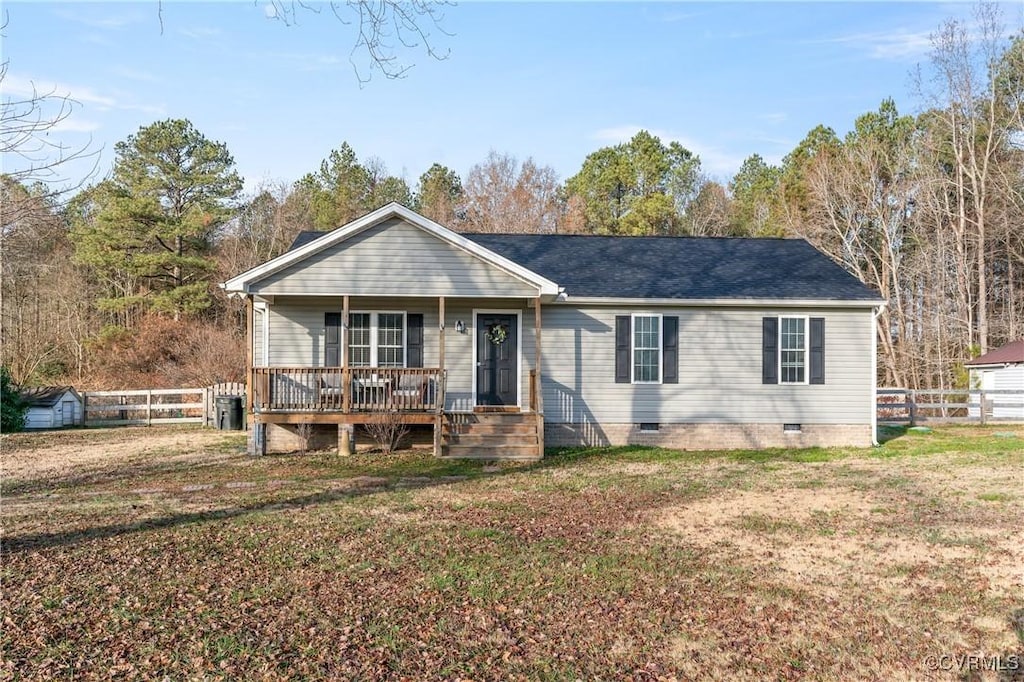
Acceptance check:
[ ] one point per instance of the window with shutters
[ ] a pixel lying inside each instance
(376, 339)
(793, 350)
(646, 349)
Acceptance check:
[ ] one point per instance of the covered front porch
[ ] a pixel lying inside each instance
(396, 316)
(445, 362)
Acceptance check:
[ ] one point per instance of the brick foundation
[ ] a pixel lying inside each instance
(708, 436)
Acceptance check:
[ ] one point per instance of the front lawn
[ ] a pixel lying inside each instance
(190, 560)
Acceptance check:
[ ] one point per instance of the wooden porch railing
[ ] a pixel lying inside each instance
(355, 389)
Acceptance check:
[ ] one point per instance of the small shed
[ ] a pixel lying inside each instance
(1001, 370)
(52, 407)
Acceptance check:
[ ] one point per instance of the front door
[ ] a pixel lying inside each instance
(497, 356)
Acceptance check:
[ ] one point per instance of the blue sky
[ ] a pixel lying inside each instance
(549, 81)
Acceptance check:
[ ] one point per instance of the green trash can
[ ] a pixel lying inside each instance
(229, 412)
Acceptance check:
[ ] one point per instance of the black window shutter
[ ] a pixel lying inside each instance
(332, 340)
(414, 340)
(769, 350)
(670, 350)
(622, 362)
(816, 375)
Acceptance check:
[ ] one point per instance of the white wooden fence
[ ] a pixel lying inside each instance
(148, 406)
(950, 405)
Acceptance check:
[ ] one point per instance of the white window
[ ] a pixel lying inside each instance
(376, 339)
(793, 350)
(646, 349)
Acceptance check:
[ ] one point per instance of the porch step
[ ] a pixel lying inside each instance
(503, 452)
(492, 440)
(523, 429)
(492, 435)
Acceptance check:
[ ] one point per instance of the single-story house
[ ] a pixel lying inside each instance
(999, 374)
(508, 343)
(52, 407)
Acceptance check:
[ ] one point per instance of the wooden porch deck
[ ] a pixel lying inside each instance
(364, 395)
(358, 390)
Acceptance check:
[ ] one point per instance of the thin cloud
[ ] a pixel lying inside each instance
(774, 118)
(305, 61)
(29, 87)
(201, 32)
(131, 74)
(898, 44)
(19, 86)
(676, 17)
(112, 22)
(71, 124)
(97, 39)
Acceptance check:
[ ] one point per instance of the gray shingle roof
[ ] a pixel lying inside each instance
(675, 267)
(45, 396)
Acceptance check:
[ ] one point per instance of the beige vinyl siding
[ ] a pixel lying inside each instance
(459, 349)
(296, 335)
(719, 370)
(393, 258)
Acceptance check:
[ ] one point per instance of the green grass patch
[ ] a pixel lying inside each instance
(995, 497)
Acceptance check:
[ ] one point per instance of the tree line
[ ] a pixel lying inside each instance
(118, 285)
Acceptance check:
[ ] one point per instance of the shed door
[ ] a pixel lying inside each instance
(67, 413)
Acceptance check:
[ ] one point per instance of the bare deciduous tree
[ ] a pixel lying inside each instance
(383, 28)
(30, 144)
(974, 119)
(503, 196)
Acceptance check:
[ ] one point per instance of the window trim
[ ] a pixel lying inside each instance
(806, 350)
(374, 338)
(633, 349)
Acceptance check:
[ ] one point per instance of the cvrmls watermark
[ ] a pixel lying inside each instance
(974, 662)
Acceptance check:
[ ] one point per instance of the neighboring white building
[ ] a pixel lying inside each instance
(1000, 370)
(52, 407)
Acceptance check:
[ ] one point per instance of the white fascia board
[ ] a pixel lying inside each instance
(241, 282)
(721, 302)
(272, 298)
(992, 365)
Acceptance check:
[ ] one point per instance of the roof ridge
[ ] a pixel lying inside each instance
(631, 236)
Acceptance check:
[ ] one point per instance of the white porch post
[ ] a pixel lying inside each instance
(538, 398)
(249, 358)
(439, 413)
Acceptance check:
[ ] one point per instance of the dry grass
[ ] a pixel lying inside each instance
(55, 455)
(176, 555)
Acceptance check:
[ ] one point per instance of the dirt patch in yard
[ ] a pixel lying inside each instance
(59, 454)
(826, 537)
